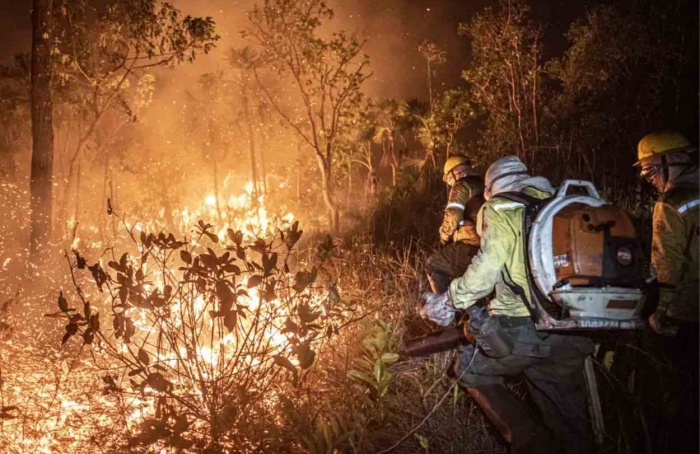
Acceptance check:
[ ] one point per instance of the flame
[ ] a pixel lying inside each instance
(246, 212)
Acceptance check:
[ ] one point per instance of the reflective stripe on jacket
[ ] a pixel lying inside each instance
(463, 203)
(674, 250)
(501, 256)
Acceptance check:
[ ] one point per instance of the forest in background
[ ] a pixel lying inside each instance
(177, 214)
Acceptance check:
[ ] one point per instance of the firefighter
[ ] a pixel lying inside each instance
(458, 229)
(669, 163)
(552, 364)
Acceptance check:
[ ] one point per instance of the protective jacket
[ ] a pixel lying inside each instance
(460, 216)
(674, 252)
(501, 260)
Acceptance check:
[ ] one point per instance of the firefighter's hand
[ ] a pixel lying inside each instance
(661, 324)
(438, 308)
(445, 238)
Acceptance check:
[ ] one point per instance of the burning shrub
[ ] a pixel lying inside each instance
(205, 336)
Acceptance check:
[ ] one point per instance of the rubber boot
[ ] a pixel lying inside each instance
(511, 419)
(439, 281)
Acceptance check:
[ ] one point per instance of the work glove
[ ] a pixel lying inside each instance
(438, 308)
(661, 324)
(445, 238)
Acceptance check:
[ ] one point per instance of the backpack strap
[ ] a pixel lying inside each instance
(533, 205)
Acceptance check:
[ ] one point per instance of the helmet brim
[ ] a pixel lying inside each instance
(686, 150)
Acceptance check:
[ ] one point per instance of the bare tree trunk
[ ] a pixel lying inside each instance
(348, 196)
(103, 199)
(298, 182)
(77, 200)
(326, 188)
(42, 128)
(251, 143)
(263, 167)
(213, 143)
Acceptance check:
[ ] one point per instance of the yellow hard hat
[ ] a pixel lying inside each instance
(661, 143)
(454, 161)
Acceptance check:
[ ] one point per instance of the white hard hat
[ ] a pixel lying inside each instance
(504, 167)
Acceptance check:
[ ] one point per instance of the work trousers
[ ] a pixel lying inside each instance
(552, 365)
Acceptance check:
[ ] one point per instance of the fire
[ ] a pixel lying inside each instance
(193, 361)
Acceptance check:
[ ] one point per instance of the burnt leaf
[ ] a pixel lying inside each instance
(99, 275)
(231, 268)
(95, 322)
(304, 279)
(136, 371)
(290, 327)
(181, 424)
(123, 293)
(209, 261)
(236, 237)
(116, 266)
(167, 292)
(225, 295)
(306, 313)
(305, 355)
(156, 381)
(79, 260)
(230, 318)
(254, 281)
(269, 262)
(122, 260)
(62, 303)
(186, 256)
(9, 412)
(143, 357)
(285, 362)
(269, 294)
(326, 247)
(88, 336)
(72, 328)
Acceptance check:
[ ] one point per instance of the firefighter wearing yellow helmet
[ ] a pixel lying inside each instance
(458, 228)
(669, 162)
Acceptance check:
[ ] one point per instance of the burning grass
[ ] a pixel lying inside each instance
(228, 339)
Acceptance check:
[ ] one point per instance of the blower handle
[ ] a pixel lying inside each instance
(586, 185)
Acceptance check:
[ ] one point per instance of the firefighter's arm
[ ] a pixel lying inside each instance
(497, 241)
(667, 251)
(454, 210)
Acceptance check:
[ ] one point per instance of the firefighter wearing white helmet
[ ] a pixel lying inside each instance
(551, 363)
(669, 162)
(458, 228)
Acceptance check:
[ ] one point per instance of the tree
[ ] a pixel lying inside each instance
(433, 55)
(104, 56)
(246, 61)
(326, 75)
(625, 73)
(505, 78)
(41, 180)
(388, 128)
(14, 114)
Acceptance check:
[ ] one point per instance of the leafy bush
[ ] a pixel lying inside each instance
(207, 336)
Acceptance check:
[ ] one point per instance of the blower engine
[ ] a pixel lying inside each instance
(585, 262)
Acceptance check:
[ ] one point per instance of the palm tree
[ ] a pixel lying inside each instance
(415, 116)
